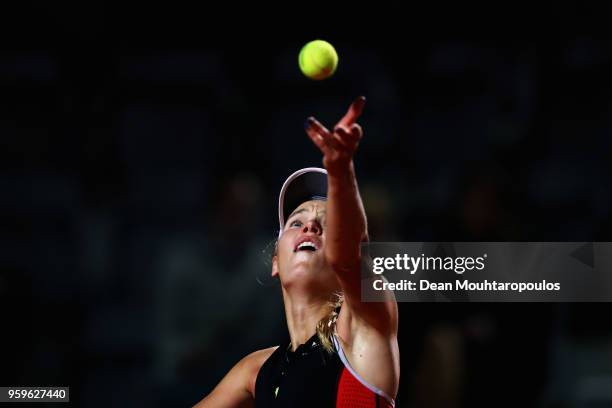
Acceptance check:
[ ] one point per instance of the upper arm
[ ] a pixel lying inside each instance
(369, 333)
(381, 315)
(237, 388)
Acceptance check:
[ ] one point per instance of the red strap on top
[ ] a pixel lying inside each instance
(353, 394)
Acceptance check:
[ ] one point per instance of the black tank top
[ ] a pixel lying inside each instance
(312, 377)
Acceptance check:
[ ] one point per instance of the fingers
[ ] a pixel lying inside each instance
(342, 139)
(353, 113)
(317, 139)
(321, 136)
(349, 137)
(314, 124)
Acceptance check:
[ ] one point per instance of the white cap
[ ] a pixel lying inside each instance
(305, 184)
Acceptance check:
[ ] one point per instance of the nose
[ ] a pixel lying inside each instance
(313, 226)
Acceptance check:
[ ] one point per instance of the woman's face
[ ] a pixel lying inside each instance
(300, 256)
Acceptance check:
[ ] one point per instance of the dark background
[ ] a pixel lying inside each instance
(142, 150)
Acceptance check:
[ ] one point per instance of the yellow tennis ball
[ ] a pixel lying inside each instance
(318, 60)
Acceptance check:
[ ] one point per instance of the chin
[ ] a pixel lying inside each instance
(302, 274)
(310, 275)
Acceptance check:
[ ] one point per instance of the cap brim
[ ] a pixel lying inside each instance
(304, 185)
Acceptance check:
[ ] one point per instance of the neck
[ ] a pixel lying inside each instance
(303, 313)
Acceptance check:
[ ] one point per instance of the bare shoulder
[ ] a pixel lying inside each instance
(250, 365)
(237, 388)
(259, 356)
(253, 363)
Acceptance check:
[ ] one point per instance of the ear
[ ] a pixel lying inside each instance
(274, 266)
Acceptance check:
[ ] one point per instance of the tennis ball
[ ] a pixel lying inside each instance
(318, 60)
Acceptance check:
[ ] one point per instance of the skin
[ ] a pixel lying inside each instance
(367, 331)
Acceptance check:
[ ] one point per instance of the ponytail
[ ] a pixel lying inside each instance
(327, 325)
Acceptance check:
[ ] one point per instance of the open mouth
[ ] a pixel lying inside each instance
(306, 246)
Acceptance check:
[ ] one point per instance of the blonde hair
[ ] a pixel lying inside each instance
(327, 325)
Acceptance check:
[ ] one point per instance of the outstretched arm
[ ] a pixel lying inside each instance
(346, 220)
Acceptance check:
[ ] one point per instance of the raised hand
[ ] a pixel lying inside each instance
(339, 146)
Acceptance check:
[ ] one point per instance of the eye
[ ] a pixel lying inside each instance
(295, 223)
